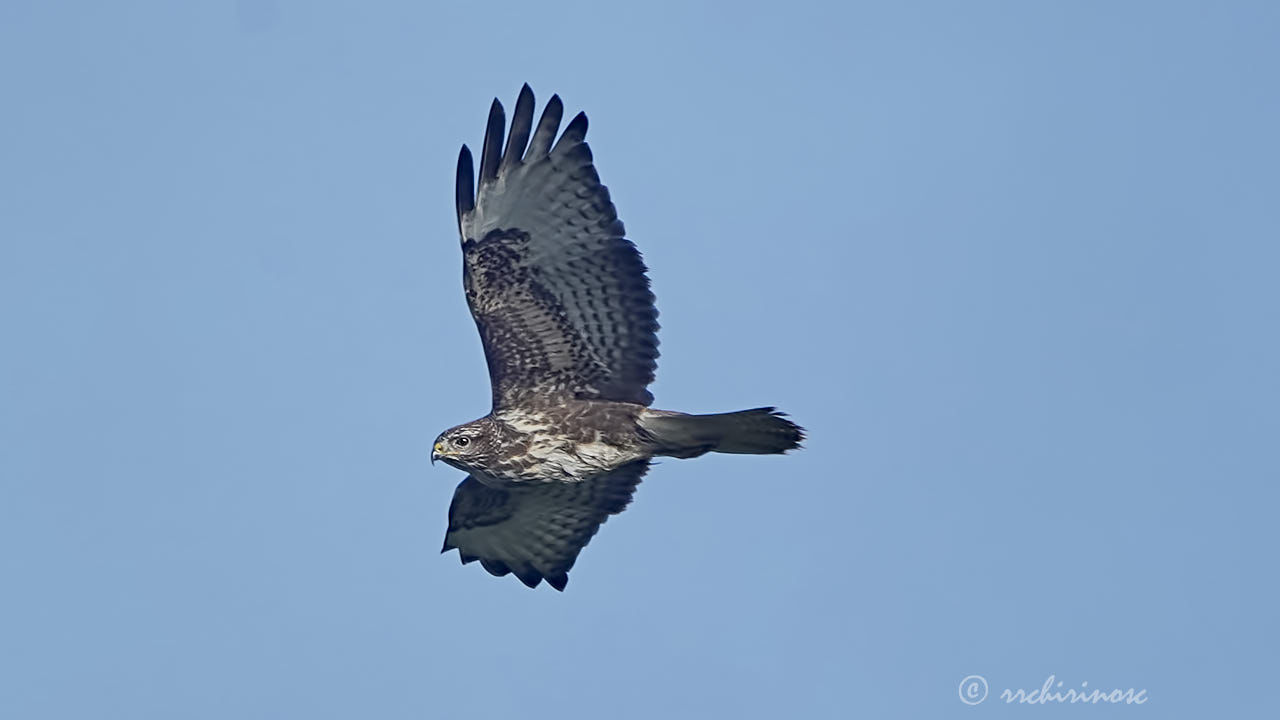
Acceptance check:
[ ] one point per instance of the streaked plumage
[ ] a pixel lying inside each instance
(568, 325)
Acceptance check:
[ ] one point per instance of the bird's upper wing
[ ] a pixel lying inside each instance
(537, 531)
(559, 294)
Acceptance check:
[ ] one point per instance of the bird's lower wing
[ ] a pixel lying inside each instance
(536, 531)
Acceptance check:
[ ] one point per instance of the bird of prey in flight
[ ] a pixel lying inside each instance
(569, 330)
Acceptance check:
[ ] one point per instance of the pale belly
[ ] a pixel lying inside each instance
(556, 461)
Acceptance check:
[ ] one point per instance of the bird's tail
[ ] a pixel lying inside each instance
(762, 431)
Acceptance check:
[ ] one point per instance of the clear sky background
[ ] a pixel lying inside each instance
(1013, 264)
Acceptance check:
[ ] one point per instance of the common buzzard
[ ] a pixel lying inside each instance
(568, 325)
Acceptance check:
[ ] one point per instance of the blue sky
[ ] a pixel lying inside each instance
(1012, 264)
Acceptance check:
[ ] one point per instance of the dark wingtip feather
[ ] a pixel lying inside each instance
(447, 547)
(558, 581)
(574, 133)
(491, 152)
(465, 192)
(528, 576)
(521, 127)
(548, 125)
(495, 567)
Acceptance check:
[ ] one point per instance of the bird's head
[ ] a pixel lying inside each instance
(466, 446)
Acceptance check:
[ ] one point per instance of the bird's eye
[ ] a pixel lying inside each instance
(462, 441)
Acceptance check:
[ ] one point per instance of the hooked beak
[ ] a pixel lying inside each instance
(436, 452)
